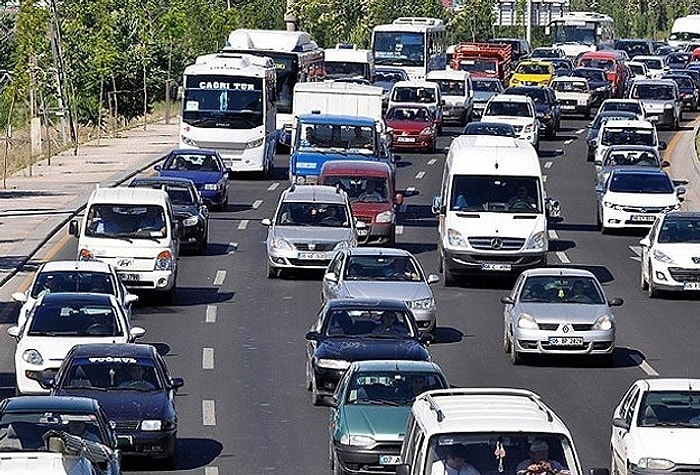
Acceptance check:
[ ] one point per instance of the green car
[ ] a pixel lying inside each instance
(369, 411)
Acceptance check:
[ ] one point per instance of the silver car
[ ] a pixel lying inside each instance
(558, 311)
(661, 101)
(382, 273)
(627, 156)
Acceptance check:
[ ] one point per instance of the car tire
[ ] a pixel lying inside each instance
(598, 222)
(391, 241)
(315, 397)
(587, 114)
(677, 124)
(642, 279)
(307, 376)
(551, 133)
(537, 145)
(337, 469)
(169, 296)
(272, 272)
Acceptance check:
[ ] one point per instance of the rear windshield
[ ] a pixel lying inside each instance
(606, 64)
(509, 109)
(414, 94)
(74, 281)
(626, 136)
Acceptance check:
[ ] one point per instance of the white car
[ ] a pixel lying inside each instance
(639, 69)
(633, 197)
(74, 276)
(422, 93)
(656, 65)
(518, 111)
(626, 105)
(655, 427)
(670, 258)
(574, 95)
(626, 132)
(57, 322)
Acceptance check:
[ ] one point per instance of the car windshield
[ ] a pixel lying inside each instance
(126, 222)
(641, 183)
(24, 431)
(669, 409)
(683, 82)
(486, 86)
(382, 268)
(413, 114)
(74, 319)
(637, 69)
(624, 158)
(678, 230)
(589, 74)
(611, 115)
(627, 136)
(653, 92)
(545, 53)
(450, 87)
(651, 63)
(295, 213)
(178, 194)
(193, 162)
(570, 86)
(499, 194)
(489, 128)
(561, 289)
(325, 138)
(113, 373)
(414, 94)
(395, 388)
(536, 94)
(605, 64)
(74, 281)
(509, 109)
(364, 322)
(532, 68)
(621, 106)
(360, 188)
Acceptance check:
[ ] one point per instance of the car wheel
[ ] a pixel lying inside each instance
(677, 124)
(315, 397)
(516, 358)
(308, 377)
(440, 263)
(169, 296)
(272, 272)
(506, 340)
(337, 469)
(598, 222)
(587, 113)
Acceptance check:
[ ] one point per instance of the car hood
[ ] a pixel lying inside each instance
(382, 423)
(199, 178)
(642, 199)
(671, 443)
(393, 290)
(654, 105)
(454, 100)
(46, 463)
(362, 208)
(681, 253)
(564, 312)
(407, 125)
(369, 348)
(521, 121)
(312, 234)
(594, 84)
(125, 405)
(184, 211)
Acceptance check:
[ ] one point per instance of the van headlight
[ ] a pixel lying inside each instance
(357, 440)
(655, 464)
(537, 241)
(527, 322)
(255, 143)
(604, 322)
(186, 140)
(455, 238)
(32, 357)
(164, 261)
(661, 257)
(385, 217)
(189, 222)
(332, 364)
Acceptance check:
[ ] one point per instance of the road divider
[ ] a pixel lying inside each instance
(211, 470)
(208, 412)
(243, 224)
(643, 365)
(257, 203)
(232, 247)
(563, 258)
(420, 175)
(273, 186)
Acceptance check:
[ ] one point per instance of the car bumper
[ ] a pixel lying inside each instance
(213, 197)
(450, 114)
(411, 142)
(674, 278)
(249, 160)
(620, 219)
(327, 379)
(425, 319)
(283, 259)
(148, 280)
(537, 342)
(359, 460)
(466, 262)
(377, 233)
(193, 235)
(663, 118)
(149, 444)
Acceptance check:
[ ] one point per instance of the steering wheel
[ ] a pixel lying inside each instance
(98, 329)
(524, 205)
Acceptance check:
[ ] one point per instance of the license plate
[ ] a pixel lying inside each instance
(312, 256)
(405, 139)
(691, 285)
(644, 218)
(567, 107)
(389, 459)
(496, 267)
(128, 277)
(566, 341)
(362, 232)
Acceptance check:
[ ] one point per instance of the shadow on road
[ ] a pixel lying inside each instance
(191, 454)
(447, 335)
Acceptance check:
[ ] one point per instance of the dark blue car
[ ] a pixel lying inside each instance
(205, 168)
(597, 82)
(133, 386)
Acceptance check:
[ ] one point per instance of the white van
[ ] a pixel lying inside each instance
(134, 230)
(492, 210)
(422, 93)
(458, 93)
(494, 429)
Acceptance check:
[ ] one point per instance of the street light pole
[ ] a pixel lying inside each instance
(529, 22)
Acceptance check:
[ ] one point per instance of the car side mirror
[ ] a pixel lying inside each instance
(663, 145)
(665, 164)
(621, 423)
(176, 383)
(266, 222)
(13, 331)
(616, 302)
(131, 298)
(313, 336)
(507, 300)
(398, 199)
(437, 205)
(600, 189)
(426, 337)
(74, 228)
(19, 297)
(646, 242)
(329, 401)
(46, 382)
(137, 332)
(680, 191)
(330, 276)
(158, 168)
(397, 157)
(433, 279)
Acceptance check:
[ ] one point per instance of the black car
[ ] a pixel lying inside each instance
(686, 89)
(133, 385)
(597, 81)
(546, 106)
(188, 207)
(677, 59)
(595, 125)
(634, 47)
(562, 66)
(348, 330)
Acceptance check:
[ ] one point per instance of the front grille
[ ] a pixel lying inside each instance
(684, 275)
(546, 346)
(582, 327)
(487, 243)
(305, 246)
(643, 209)
(223, 146)
(308, 262)
(126, 426)
(548, 326)
(517, 128)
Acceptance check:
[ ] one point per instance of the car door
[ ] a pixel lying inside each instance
(330, 288)
(646, 250)
(334, 425)
(620, 435)
(508, 309)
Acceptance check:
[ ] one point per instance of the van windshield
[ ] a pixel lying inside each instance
(126, 221)
(500, 194)
(362, 189)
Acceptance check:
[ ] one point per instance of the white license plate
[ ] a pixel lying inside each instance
(691, 285)
(643, 218)
(568, 108)
(389, 459)
(496, 267)
(566, 341)
(362, 232)
(405, 139)
(312, 256)
(128, 277)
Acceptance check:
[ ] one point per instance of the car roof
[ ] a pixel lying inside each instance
(335, 119)
(415, 84)
(356, 167)
(447, 74)
(396, 365)
(128, 196)
(377, 251)
(658, 82)
(621, 101)
(51, 403)
(367, 303)
(559, 271)
(639, 171)
(641, 148)
(510, 98)
(134, 350)
(192, 151)
(507, 156)
(632, 124)
(668, 384)
(76, 265)
(158, 180)
(321, 193)
(77, 297)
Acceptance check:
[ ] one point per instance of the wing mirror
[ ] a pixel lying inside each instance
(176, 383)
(158, 168)
(74, 228)
(426, 337)
(507, 300)
(663, 145)
(13, 331)
(646, 242)
(329, 401)
(433, 279)
(437, 205)
(398, 199)
(313, 336)
(266, 222)
(330, 277)
(598, 163)
(137, 332)
(131, 298)
(680, 191)
(621, 423)
(552, 208)
(616, 302)
(19, 297)
(46, 382)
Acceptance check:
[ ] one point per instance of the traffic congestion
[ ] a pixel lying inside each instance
(400, 261)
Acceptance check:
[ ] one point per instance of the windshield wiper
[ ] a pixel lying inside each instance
(89, 388)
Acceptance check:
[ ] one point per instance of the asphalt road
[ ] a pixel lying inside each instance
(237, 338)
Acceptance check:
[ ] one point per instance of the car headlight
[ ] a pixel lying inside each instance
(537, 241)
(655, 464)
(604, 322)
(32, 357)
(668, 106)
(151, 425)
(527, 322)
(332, 364)
(255, 143)
(421, 304)
(528, 128)
(191, 221)
(661, 257)
(211, 186)
(385, 217)
(279, 243)
(186, 140)
(610, 204)
(601, 89)
(427, 131)
(164, 261)
(455, 238)
(672, 207)
(341, 245)
(357, 440)
(514, 81)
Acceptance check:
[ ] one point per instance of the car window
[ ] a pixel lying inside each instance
(617, 158)
(126, 221)
(113, 373)
(627, 136)
(381, 387)
(25, 430)
(377, 323)
(670, 408)
(640, 183)
(193, 162)
(561, 289)
(293, 213)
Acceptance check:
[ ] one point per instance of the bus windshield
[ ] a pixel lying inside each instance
(562, 33)
(223, 102)
(286, 79)
(399, 48)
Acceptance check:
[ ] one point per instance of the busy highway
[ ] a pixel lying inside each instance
(237, 338)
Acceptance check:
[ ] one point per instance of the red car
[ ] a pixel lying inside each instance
(413, 128)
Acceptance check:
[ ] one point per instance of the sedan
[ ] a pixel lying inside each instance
(369, 411)
(500, 129)
(205, 168)
(595, 126)
(133, 385)
(627, 156)
(654, 426)
(546, 105)
(413, 128)
(188, 207)
(374, 272)
(348, 330)
(558, 311)
(670, 257)
(56, 323)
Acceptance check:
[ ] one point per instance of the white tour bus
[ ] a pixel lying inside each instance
(228, 105)
(416, 44)
(578, 32)
(347, 62)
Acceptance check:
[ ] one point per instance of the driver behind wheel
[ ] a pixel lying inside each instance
(522, 199)
(539, 462)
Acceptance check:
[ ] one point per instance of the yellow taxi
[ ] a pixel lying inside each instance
(532, 73)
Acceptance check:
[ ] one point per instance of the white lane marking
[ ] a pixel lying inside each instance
(432, 161)
(211, 314)
(399, 229)
(553, 234)
(402, 208)
(544, 178)
(208, 412)
(420, 175)
(257, 203)
(580, 131)
(273, 187)
(568, 142)
(220, 277)
(232, 247)
(211, 470)
(563, 257)
(643, 365)
(243, 224)
(207, 358)
(410, 190)
(548, 164)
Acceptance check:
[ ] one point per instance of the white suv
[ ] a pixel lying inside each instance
(518, 111)
(626, 132)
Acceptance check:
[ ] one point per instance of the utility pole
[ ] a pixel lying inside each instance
(529, 22)
(63, 89)
(289, 19)
(32, 110)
